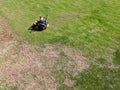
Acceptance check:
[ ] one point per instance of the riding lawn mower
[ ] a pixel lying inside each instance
(40, 25)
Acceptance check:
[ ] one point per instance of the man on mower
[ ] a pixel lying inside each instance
(41, 23)
(41, 19)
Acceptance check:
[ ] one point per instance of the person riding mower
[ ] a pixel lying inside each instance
(40, 24)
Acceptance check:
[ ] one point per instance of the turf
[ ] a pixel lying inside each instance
(93, 26)
(90, 25)
(96, 80)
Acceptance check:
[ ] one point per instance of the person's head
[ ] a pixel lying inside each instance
(40, 16)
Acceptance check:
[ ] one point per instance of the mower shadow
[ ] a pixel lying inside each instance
(34, 30)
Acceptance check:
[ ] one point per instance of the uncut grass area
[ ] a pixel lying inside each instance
(92, 26)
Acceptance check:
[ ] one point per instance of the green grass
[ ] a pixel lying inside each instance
(102, 79)
(93, 26)
(98, 79)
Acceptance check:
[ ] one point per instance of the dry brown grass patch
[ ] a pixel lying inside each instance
(69, 82)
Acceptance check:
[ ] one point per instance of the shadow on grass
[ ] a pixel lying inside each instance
(35, 30)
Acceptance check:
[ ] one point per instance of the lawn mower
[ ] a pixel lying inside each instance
(39, 25)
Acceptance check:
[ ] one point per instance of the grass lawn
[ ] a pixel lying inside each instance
(93, 26)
